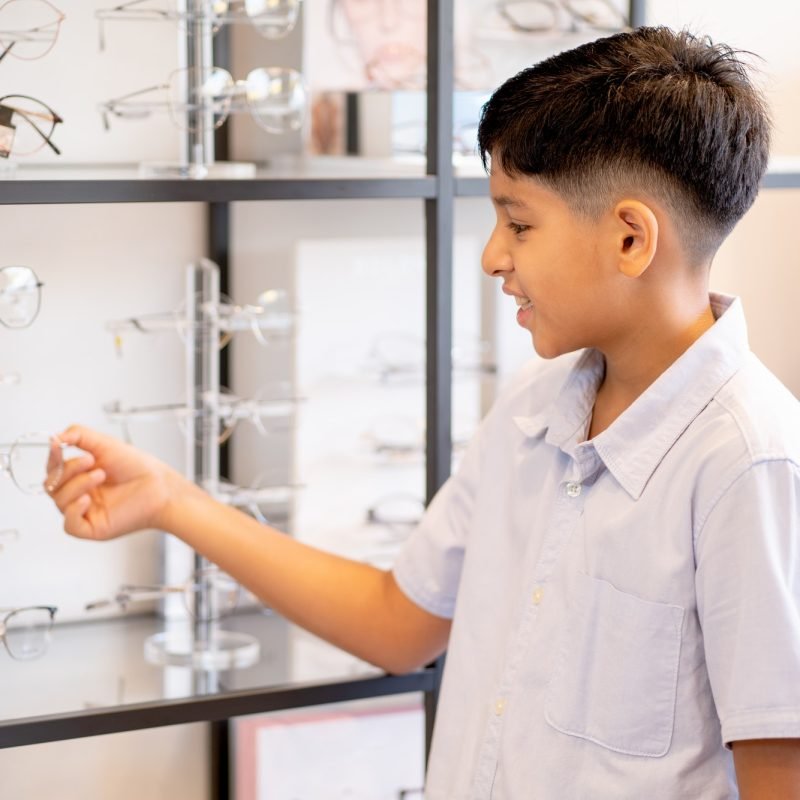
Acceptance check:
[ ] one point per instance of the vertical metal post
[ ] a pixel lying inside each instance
(439, 273)
(637, 13)
(439, 244)
(195, 55)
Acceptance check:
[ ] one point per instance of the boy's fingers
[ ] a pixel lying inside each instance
(72, 490)
(75, 523)
(60, 474)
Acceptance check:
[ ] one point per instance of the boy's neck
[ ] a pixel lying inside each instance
(645, 354)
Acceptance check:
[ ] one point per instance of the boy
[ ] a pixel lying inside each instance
(619, 551)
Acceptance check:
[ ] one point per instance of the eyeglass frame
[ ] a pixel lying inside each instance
(554, 6)
(37, 285)
(6, 463)
(139, 593)
(10, 613)
(217, 20)
(60, 17)
(110, 107)
(55, 118)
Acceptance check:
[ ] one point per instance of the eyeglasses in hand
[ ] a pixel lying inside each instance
(28, 28)
(273, 19)
(32, 459)
(275, 97)
(26, 125)
(20, 296)
(208, 594)
(26, 632)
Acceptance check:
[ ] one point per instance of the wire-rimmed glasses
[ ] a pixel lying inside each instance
(269, 320)
(28, 461)
(273, 19)
(20, 296)
(208, 594)
(541, 16)
(28, 28)
(26, 632)
(269, 411)
(26, 125)
(275, 97)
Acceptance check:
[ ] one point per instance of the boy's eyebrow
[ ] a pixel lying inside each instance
(508, 200)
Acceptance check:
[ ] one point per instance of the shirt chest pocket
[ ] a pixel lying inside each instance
(615, 679)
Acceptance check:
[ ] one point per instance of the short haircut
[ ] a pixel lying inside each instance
(652, 110)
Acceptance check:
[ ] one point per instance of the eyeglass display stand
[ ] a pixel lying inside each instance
(193, 642)
(196, 55)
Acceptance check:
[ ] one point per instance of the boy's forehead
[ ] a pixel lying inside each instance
(510, 191)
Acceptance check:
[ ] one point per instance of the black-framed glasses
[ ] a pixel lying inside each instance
(26, 632)
(20, 296)
(28, 28)
(26, 125)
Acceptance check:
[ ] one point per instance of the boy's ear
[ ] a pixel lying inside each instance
(635, 236)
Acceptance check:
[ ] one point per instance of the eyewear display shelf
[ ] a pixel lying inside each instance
(80, 700)
(86, 696)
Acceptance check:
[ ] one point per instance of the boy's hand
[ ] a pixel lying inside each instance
(112, 490)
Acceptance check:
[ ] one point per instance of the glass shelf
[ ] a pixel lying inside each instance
(95, 679)
(287, 178)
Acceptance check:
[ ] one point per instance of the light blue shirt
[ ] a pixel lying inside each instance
(622, 607)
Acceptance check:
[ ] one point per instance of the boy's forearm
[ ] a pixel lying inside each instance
(353, 605)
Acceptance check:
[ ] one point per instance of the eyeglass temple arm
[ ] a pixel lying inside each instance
(110, 106)
(6, 51)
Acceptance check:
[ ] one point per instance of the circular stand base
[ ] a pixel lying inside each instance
(217, 169)
(222, 650)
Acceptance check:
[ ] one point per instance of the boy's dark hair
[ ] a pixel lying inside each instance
(653, 110)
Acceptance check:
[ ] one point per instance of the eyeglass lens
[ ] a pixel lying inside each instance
(20, 294)
(28, 460)
(27, 632)
(273, 19)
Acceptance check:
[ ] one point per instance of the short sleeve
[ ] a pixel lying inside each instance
(428, 568)
(748, 601)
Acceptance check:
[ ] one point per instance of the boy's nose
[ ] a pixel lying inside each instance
(496, 260)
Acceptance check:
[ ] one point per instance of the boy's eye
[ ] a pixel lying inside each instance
(517, 229)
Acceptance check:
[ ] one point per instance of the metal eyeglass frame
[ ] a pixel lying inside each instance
(232, 12)
(198, 581)
(4, 627)
(52, 116)
(37, 285)
(128, 107)
(30, 34)
(554, 6)
(53, 469)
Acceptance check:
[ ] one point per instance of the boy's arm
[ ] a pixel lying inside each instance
(350, 604)
(768, 769)
(116, 489)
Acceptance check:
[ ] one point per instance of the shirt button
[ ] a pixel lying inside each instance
(573, 489)
(538, 594)
(500, 706)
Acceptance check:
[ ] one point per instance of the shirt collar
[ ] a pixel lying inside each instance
(637, 441)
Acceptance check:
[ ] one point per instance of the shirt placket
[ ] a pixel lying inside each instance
(567, 510)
